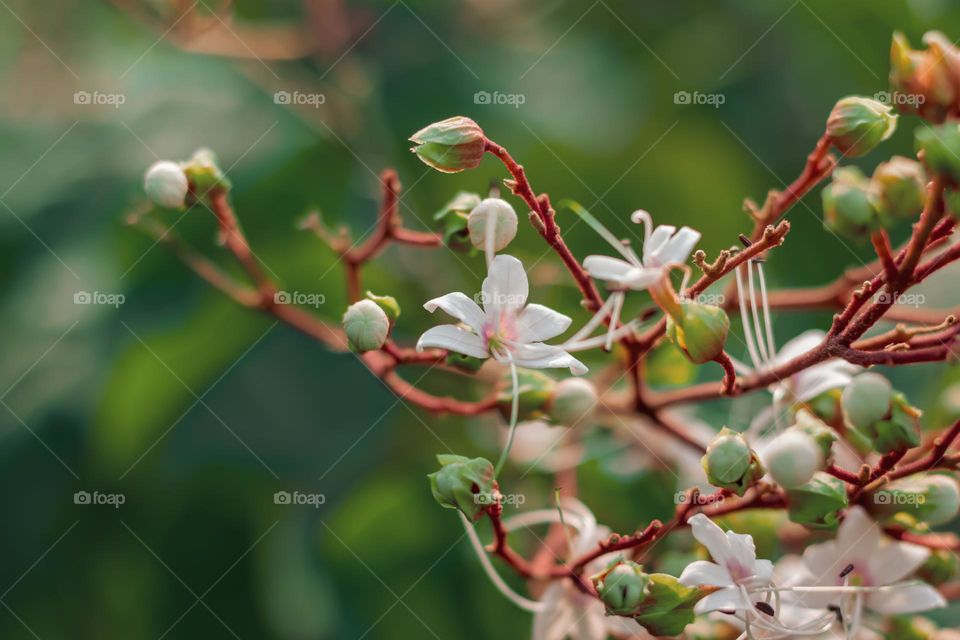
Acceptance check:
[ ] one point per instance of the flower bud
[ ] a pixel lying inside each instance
(389, 305)
(622, 586)
(927, 80)
(574, 399)
(848, 208)
(450, 145)
(899, 188)
(504, 223)
(453, 220)
(730, 463)
(699, 330)
(535, 389)
(818, 503)
(821, 432)
(940, 146)
(866, 399)
(941, 566)
(857, 125)
(668, 607)
(203, 170)
(463, 483)
(166, 184)
(792, 458)
(366, 325)
(931, 498)
(898, 431)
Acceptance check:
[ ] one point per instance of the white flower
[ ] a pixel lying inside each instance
(566, 611)
(865, 558)
(811, 382)
(735, 570)
(662, 246)
(506, 327)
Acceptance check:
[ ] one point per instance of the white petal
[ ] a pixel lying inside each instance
(460, 307)
(607, 268)
(907, 599)
(895, 561)
(712, 537)
(678, 248)
(659, 238)
(703, 572)
(505, 288)
(743, 554)
(537, 322)
(822, 561)
(799, 345)
(453, 338)
(537, 355)
(728, 599)
(858, 535)
(816, 380)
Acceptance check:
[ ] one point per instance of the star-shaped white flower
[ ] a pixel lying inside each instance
(861, 556)
(735, 568)
(506, 327)
(662, 246)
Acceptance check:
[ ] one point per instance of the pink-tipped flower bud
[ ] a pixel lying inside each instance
(450, 145)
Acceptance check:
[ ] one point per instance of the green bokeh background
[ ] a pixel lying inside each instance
(198, 411)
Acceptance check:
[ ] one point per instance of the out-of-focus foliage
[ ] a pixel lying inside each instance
(198, 412)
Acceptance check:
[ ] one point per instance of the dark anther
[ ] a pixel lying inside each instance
(474, 488)
(836, 610)
(763, 607)
(846, 571)
(745, 240)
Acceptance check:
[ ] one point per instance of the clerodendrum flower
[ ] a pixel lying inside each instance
(861, 568)
(506, 328)
(663, 248)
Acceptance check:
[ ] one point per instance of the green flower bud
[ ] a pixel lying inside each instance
(867, 400)
(450, 145)
(504, 223)
(389, 305)
(793, 457)
(940, 146)
(166, 184)
(730, 463)
(897, 432)
(668, 607)
(899, 188)
(848, 208)
(925, 80)
(818, 503)
(535, 389)
(940, 567)
(700, 330)
(453, 220)
(463, 483)
(574, 399)
(622, 586)
(857, 125)
(366, 325)
(821, 432)
(929, 498)
(203, 170)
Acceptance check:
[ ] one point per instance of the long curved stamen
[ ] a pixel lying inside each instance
(514, 412)
(524, 603)
(593, 322)
(614, 318)
(599, 341)
(603, 232)
(765, 304)
(761, 347)
(488, 244)
(747, 333)
(641, 216)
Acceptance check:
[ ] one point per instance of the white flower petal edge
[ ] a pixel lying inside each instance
(506, 327)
